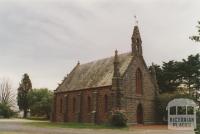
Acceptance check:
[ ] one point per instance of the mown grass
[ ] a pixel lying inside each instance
(48, 124)
(13, 133)
(37, 118)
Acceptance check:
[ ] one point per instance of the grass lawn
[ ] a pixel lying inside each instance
(12, 133)
(48, 124)
(37, 118)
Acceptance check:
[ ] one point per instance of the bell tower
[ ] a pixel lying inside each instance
(136, 42)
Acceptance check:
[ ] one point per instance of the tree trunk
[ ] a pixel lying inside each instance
(25, 114)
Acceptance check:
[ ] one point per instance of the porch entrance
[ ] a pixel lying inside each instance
(140, 114)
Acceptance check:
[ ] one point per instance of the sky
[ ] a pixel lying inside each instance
(46, 38)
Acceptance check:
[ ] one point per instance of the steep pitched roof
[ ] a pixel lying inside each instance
(94, 74)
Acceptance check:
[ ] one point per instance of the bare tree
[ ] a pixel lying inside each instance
(7, 95)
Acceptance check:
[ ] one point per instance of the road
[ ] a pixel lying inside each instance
(17, 126)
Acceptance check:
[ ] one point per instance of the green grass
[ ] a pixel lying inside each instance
(38, 118)
(12, 133)
(48, 124)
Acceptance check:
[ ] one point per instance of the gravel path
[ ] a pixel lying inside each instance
(16, 126)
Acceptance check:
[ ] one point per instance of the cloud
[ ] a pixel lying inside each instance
(46, 38)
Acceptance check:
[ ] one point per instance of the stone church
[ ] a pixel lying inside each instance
(122, 82)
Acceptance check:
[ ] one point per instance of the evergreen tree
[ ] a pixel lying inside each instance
(174, 74)
(190, 73)
(196, 37)
(22, 98)
(171, 75)
(168, 76)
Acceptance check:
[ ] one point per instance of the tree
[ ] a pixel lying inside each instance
(6, 99)
(171, 75)
(168, 76)
(196, 37)
(183, 74)
(40, 101)
(22, 98)
(6, 93)
(190, 72)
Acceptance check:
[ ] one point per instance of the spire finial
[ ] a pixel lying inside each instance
(136, 21)
(116, 52)
(116, 56)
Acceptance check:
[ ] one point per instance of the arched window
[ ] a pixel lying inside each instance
(138, 40)
(138, 82)
(89, 104)
(74, 105)
(105, 103)
(137, 48)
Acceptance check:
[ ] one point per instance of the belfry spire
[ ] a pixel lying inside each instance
(136, 40)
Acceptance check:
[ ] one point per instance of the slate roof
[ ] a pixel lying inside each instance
(94, 74)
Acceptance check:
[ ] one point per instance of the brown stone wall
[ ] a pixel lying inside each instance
(131, 100)
(72, 115)
(58, 113)
(85, 113)
(97, 114)
(102, 113)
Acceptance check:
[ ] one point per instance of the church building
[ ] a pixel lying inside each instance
(91, 91)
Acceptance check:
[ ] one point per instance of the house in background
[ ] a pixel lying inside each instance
(92, 90)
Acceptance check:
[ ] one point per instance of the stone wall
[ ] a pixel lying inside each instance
(131, 100)
(96, 113)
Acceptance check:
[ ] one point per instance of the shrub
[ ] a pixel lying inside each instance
(6, 111)
(40, 101)
(197, 131)
(118, 119)
(198, 117)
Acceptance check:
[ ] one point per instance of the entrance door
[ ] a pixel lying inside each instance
(139, 114)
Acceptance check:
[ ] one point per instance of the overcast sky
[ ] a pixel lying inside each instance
(46, 38)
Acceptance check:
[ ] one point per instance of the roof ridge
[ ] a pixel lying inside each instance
(94, 74)
(104, 58)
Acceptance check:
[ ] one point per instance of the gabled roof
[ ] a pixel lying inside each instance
(94, 74)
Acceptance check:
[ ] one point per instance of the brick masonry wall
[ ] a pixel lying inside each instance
(131, 100)
(82, 115)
